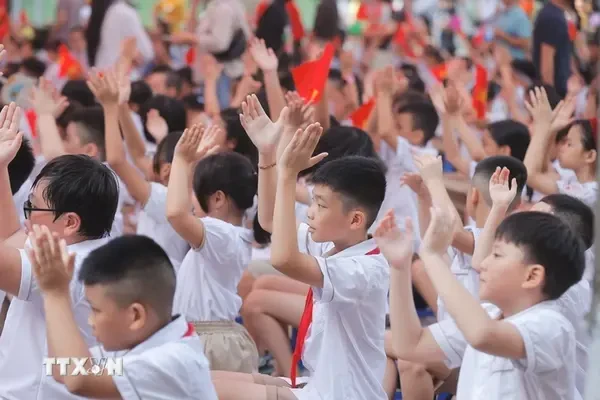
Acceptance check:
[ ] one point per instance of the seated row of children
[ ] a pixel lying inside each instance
(127, 289)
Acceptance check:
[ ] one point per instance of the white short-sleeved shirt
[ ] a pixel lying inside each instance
(586, 192)
(208, 277)
(153, 222)
(21, 197)
(462, 268)
(547, 371)
(344, 346)
(397, 197)
(168, 365)
(23, 342)
(575, 304)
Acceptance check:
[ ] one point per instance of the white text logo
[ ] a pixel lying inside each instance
(84, 366)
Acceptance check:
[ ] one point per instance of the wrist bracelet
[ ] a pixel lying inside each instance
(267, 166)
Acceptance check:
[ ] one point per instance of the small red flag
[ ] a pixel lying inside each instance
(69, 67)
(32, 121)
(310, 77)
(572, 27)
(440, 72)
(295, 20)
(362, 14)
(361, 115)
(190, 56)
(480, 91)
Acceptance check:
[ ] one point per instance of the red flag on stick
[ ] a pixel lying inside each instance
(310, 77)
(361, 115)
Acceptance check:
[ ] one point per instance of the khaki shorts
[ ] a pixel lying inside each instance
(228, 346)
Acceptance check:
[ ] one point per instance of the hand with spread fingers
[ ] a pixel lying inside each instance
(298, 155)
(301, 113)
(395, 245)
(10, 137)
(430, 167)
(263, 132)
(52, 264)
(440, 232)
(264, 57)
(501, 194)
(191, 147)
(105, 87)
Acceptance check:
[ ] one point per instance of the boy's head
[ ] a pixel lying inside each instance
(130, 284)
(416, 121)
(577, 146)
(165, 152)
(74, 196)
(225, 185)
(342, 141)
(19, 169)
(347, 195)
(32, 67)
(535, 257)
(573, 212)
(506, 138)
(478, 199)
(85, 133)
(77, 91)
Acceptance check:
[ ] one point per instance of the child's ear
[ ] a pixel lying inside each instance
(91, 150)
(534, 277)
(359, 220)
(72, 224)
(591, 156)
(164, 172)
(138, 316)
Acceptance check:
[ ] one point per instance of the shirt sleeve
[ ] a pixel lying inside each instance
(451, 341)
(552, 31)
(222, 28)
(28, 285)
(404, 154)
(523, 27)
(549, 341)
(156, 206)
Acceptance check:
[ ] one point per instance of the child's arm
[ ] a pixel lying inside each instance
(107, 92)
(480, 331)
(409, 340)
(265, 135)
(53, 277)
(10, 142)
(415, 182)
(212, 72)
(46, 108)
(385, 92)
(285, 255)
(502, 196)
(432, 173)
(546, 123)
(194, 144)
(267, 61)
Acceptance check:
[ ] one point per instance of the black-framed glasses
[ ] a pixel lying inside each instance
(28, 208)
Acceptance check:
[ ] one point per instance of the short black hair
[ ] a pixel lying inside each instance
(342, 141)
(133, 269)
(186, 74)
(236, 133)
(20, 168)
(140, 92)
(588, 134)
(84, 186)
(575, 213)
(424, 117)
(549, 242)
(165, 151)
(66, 116)
(90, 127)
(229, 172)
(513, 134)
(553, 97)
(33, 67)
(172, 110)
(77, 90)
(174, 81)
(360, 181)
(486, 168)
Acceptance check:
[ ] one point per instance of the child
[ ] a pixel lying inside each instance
(577, 149)
(224, 186)
(75, 197)
(151, 195)
(129, 283)
(524, 349)
(348, 279)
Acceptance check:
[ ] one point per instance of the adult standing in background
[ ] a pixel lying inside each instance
(112, 21)
(553, 35)
(67, 18)
(513, 29)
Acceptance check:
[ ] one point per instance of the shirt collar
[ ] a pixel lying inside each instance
(359, 249)
(173, 331)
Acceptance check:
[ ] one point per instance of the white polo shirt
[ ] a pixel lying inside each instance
(398, 197)
(586, 192)
(208, 277)
(23, 342)
(547, 371)
(344, 345)
(153, 223)
(168, 365)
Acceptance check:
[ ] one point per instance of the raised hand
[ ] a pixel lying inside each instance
(10, 137)
(415, 183)
(45, 99)
(264, 57)
(396, 246)
(539, 107)
(440, 232)
(156, 125)
(105, 87)
(191, 147)
(501, 194)
(124, 87)
(562, 116)
(429, 166)
(453, 101)
(263, 132)
(52, 264)
(301, 113)
(298, 155)
(209, 143)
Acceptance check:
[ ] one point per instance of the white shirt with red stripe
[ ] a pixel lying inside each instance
(168, 365)
(344, 347)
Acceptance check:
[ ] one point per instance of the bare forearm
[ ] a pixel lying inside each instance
(211, 98)
(535, 156)
(471, 141)
(486, 237)
(10, 219)
(424, 206)
(450, 146)
(115, 151)
(267, 184)
(275, 97)
(284, 245)
(178, 194)
(133, 139)
(50, 140)
(440, 197)
(385, 124)
(322, 110)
